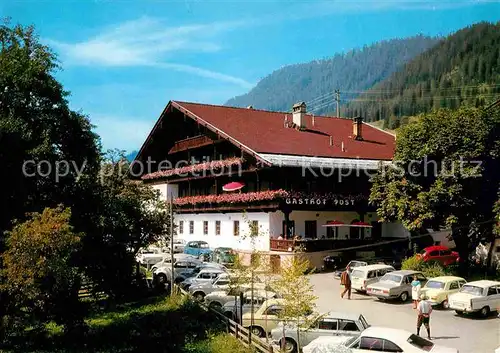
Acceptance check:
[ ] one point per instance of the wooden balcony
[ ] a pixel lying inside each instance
(311, 245)
(191, 143)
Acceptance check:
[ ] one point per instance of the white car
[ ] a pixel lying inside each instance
(151, 256)
(166, 261)
(384, 339)
(220, 298)
(327, 344)
(478, 296)
(182, 270)
(206, 275)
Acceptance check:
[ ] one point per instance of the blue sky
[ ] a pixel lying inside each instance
(124, 60)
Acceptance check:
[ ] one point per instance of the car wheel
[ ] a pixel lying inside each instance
(485, 311)
(229, 315)
(199, 296)
(459, 312)
(289, 345)
(161, 278)
(257, 331)
(403, 297)
(445, 304)
(215, 305)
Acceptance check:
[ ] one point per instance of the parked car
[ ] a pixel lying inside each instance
(224, 256)
(395, 285)
(206, 275)
(333, 262)
(182, 268)
(328, 324)
(382, 339)
(179, 245)
(478, 296)
(438, 289)
(363, 276)
(324, 344)
(351, 265)
(220, 298)
(265, 319)
(177, 257)
(197, 248)
(231, 308)
(439, 253)
(201, 288)
(151, 256)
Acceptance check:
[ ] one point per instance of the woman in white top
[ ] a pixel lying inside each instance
(415, 291)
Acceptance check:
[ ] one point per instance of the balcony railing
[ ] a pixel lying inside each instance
(311, 245)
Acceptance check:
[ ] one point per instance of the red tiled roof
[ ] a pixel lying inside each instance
(264, 132)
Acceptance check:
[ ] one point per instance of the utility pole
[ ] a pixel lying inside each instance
(337, 99)
(172, 277)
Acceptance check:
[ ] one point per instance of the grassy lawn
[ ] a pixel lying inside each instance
(153, 325)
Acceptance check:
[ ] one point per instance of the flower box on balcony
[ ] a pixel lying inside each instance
(194, 169)
(231, 199)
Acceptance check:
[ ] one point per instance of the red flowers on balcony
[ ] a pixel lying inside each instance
(195, 169)
(250, 197)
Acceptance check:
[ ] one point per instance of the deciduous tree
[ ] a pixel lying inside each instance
(445, 175)
(39, 278)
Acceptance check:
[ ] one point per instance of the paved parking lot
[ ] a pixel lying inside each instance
(469, 335)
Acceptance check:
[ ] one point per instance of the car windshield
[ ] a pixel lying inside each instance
(350, 341)
(203, 245)
(423, 252)
(467, 288)
(357, 273)
(420, 342)
(389, 277)
(363, 321)
(435, 285)
(357, 264)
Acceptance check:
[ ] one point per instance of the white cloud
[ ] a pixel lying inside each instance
(148, 42)
(125, 133)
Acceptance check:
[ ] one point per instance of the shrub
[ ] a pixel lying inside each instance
(217, 343)
(430, 269)
(39, 282)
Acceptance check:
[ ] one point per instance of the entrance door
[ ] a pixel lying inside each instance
(291, 229)
(311, 228)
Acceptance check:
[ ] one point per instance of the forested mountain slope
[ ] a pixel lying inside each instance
(462, 68)
(356, 70)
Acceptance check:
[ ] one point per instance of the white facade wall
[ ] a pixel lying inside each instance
(226, 237)
(167, 190)
(320, 217)
(394, 230)
(270, 225)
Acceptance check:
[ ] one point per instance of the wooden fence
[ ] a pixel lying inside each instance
(87, 291)
(236, 330)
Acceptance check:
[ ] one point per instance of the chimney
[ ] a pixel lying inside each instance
(357, 128)
(299, 115)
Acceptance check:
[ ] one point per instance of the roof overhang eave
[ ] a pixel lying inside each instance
(279, 160)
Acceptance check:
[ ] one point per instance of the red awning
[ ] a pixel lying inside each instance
(361, 225)
(334, 224)
(234, 186)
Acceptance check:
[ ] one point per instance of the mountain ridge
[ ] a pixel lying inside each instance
(357, 70)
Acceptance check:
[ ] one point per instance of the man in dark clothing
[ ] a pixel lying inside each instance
(345, 280)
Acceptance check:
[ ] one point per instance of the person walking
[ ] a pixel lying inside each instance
(415, 291)
(345, 280)
(424, 315)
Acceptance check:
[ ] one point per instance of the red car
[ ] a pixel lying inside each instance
(439, 253)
